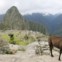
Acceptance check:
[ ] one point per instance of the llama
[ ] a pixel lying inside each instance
(55, 41)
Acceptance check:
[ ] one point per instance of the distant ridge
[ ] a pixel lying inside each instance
(53, 23)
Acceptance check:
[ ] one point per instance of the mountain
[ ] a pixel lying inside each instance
(53, 23)
(57, 25)
(14, 20)
(1, 17)
(46, 20)
(36, 21)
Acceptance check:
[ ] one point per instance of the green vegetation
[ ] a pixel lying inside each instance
(20, 37)
(16, 40)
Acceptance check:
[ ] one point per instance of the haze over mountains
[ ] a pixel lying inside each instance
(52, 23)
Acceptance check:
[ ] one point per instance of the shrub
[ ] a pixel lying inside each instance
(12, 39)
(4, 46)
(26, 37)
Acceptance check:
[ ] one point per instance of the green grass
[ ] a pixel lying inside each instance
(18, 39)
(5, 37)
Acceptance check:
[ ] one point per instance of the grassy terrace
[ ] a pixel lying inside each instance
(19, 38)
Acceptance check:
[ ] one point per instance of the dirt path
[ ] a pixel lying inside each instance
(30, 56)
(25, 57)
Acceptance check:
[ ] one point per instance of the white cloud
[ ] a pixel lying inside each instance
(29, 6)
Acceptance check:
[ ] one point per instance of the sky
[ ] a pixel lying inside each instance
(32, 6)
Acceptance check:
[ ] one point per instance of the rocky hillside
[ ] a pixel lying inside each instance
(30, 56)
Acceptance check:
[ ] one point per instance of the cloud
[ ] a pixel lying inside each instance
(5, 5)
(29, 6)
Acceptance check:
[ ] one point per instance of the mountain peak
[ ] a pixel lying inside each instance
(13, 9)
(13, 17)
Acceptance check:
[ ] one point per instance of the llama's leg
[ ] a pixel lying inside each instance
(60, 54)
(51, 47)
